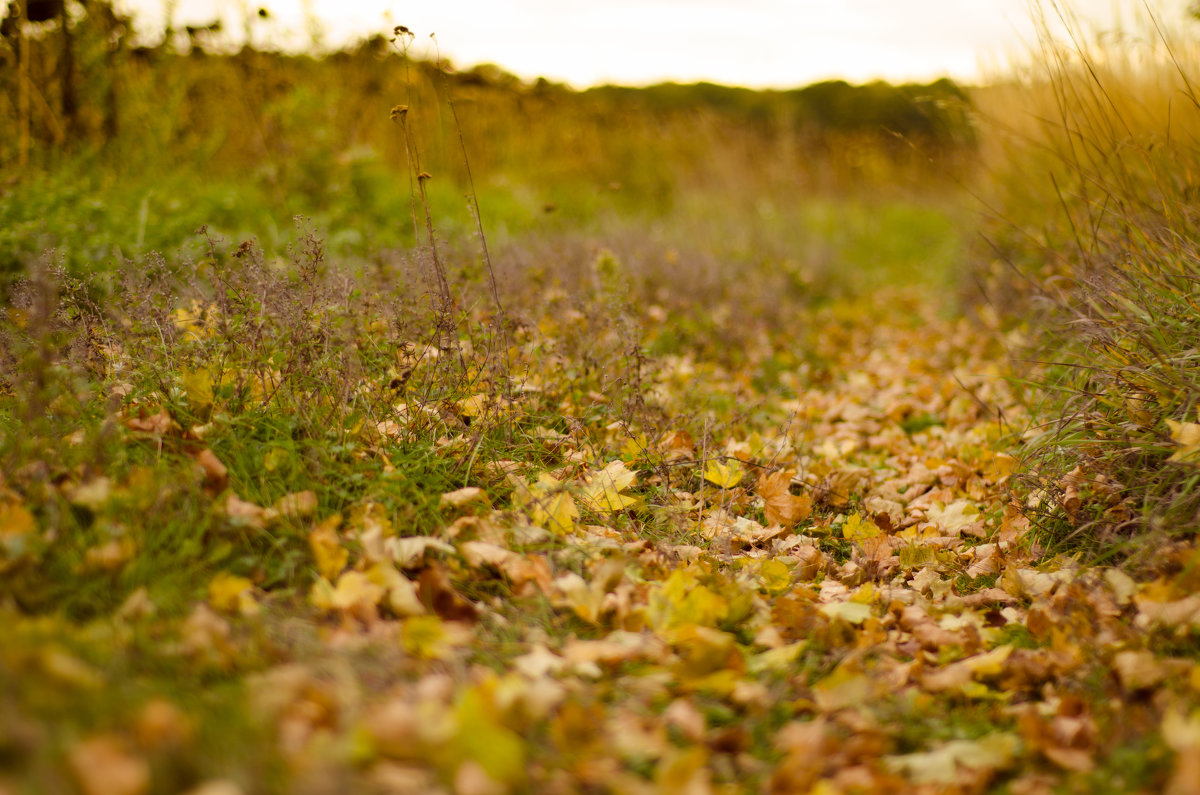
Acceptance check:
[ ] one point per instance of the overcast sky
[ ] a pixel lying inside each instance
(750, 42)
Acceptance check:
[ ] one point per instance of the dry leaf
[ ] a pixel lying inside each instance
(103, 765)
(780, 506)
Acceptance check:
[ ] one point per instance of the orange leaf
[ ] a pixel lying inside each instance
(780, 505)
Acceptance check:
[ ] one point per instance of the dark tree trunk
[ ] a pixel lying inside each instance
(70, 99)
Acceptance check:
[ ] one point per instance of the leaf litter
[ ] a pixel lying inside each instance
(834, 594)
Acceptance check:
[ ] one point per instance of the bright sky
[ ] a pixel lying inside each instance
(779, 43)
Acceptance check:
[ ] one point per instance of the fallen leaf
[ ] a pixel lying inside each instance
(850, 612)
(409, 551)
(1123, 586)
(845, 688)
(548, 503)
(216, 475)
(775, 577)
(466, 496)
(780, 506)
(856, 528)
(956, 518)
(724, 474)
(159, 424)
(103, 765)
(602, 491)
(229, 593)
(298, 505)
(327, 549)
(941, 765)
(1187, 436)
(1138, 670)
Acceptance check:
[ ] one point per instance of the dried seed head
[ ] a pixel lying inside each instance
(398, 112)
(401, 30)
(424, 175)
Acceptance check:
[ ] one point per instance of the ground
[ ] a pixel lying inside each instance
(610, 555)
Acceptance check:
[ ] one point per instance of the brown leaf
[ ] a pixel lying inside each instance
(841, 485)
(246, 512)
(102, 765)
(216, 475)
(159, 424)
(678, 445)
(989, 596)
(438, 595)
(162, 724)
(780, 505)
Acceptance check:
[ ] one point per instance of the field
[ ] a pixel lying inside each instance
(368, 425)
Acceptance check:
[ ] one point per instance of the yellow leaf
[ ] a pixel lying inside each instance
(682, 600)
(775, 577)
(850, 612)
(856, 528)
(1187, 436)
(424, 637)
(556, 512)
(585, 599)
(198, 386)
(1123, 586)
(327, 548)
(15, 520)
(989, 664)
(321, 594)
(548, 504)
(635, 447)
(703, 651)
(722, 474)
(189, 321)
(484, 739)
(1181, 733)
(297, 505)
(998, 466)
(466, 496)
(781, 659)
(225, 591)
(92, 495)
(955, 517)
(275, 458)
(865, 594)
(402, 595)
(69, 670)
(355, 590)
(683, 771)
(941, 765)
(844, 688)
(409, 551)
(602, 493)
(474, 406)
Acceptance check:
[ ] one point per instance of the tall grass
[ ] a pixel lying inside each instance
(171, 137)
(1096, 170)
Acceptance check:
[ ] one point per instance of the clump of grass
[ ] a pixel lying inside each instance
(1095, 239)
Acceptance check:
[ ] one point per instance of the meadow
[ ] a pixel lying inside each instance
(373, 425)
